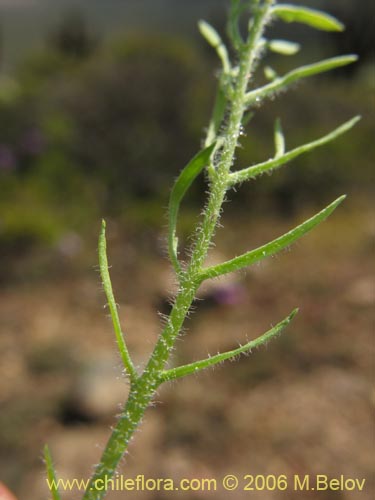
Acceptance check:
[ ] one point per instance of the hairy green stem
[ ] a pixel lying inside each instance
(143, 389)
(232, 102)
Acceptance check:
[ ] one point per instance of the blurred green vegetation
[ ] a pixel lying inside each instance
(88, 130)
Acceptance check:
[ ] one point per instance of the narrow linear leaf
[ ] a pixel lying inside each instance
(195, 367)
(279, 139)
(182, 184)
(283, 47)
(297, 74)
(270, 248)
(319, 67)
(217, 116)
(51, 474)
(233, 23)
(279, 161)
(312, 17)
(107, 285)
(247, 117)
(213, 38)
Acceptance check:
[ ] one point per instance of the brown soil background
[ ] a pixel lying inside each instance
(302, 405)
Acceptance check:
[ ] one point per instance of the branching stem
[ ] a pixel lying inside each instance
(232, 102)
(143, 388)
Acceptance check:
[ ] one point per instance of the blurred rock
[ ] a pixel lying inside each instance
(361, 292)
(70, 245)
(99, 391)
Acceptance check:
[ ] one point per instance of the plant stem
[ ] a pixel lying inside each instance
(143, 389)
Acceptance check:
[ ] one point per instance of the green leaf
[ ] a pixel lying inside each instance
(233, 23)
(217, 116)
(182, 184)
(277, 162)
(320, 67)
(279, 139)
(315, 18)
(209, 33)
(297, 74)
(270, 248)
(283, 47)
(270, 73)
(107, 285)
(247, 117)
(51, 474)
(214, 39)
(195, 367)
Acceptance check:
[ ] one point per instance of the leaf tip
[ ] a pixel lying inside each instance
(201, 24)
(340, 199)
(293, 314)
(353, 121)
(338, 25)
(46, 451)
(103, 230)
(355, 57)
(351, 58)
(332, 207)
(209, 33)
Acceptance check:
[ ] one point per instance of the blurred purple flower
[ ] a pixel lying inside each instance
(7, 158)
(230, 294)
(33, 142)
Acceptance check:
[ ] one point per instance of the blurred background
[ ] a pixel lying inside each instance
(101, 105)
